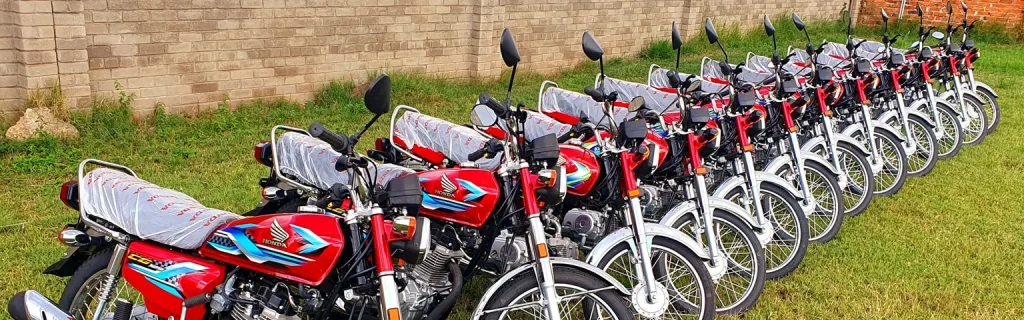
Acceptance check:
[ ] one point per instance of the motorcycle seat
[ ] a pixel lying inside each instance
(570, 107)
(427, 136)
(149, 211)
(311, 161)
(537, 125)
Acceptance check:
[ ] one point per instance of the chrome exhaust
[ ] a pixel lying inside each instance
(32, 305)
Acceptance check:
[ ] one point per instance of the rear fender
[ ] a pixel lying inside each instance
(526, 270)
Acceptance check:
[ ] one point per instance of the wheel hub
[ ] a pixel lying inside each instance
(646, 308)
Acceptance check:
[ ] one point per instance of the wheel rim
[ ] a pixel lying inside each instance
(951, 136)
(857, 174)
(823, 218)
(975, 128)
(685, 290)
(990, 111)
(925, 153)
(738, 281)
(86, 299)
(529, 306)
(781, 249)
(892, 169)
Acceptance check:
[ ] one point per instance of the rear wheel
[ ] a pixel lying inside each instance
(680, 270)
(81, 296)
(520, 298)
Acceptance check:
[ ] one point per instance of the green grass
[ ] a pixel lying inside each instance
(948, 246)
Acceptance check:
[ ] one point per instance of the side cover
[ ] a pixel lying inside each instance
(465, 196)
(165, 278)
(298, 247)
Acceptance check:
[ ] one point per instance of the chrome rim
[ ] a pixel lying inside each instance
(737, 283)
(83, 306)
(529, 305)
(825, 214)
(975, 128)
(925, 153)
(857, 174)
(686, 292)
(951, 136)
(892, 168)
(780, 250)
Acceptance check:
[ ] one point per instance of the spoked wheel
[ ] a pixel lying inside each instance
(893, 175)
(990, 103)
(788, 244)
(827, 218)
(738, 289)
(681, 272)
(521, 298)
(974, 129)
(923, 160)
(81, 296)
(952, 139)
(860, 185)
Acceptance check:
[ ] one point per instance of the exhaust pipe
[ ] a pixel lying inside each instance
(32, 305)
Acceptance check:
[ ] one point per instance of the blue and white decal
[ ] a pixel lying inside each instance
(165, 275)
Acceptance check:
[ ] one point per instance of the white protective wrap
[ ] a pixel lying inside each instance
(798, 64)
(311, 162)
(538, 125)
(149, 211)
(454, 141)
(834, 55)
(870, 50)
(659, 79)
(577, 104)
(655, 99)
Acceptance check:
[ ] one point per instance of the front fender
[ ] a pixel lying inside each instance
(624, 235)
(888, 115)
(948, 105)
(685, 208)
(812, 143)
(813, 157)
(925, 116)
(852, 129)
(985, 88)
(947, 96)
(556, 262)
(763, 178)
(883, 126)
(776, 164)
(920, 105)
(858, 144)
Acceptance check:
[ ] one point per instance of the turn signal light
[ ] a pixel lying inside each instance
(394, 314)
(542, 250)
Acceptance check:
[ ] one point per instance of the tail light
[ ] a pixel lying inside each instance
(69, 194)
(263, 154)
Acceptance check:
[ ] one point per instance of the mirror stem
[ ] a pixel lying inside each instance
(723, 51)
(601, 63)
(355, 138)
(511, 80)
(678, 52)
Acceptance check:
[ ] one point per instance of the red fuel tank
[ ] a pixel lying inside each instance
(298, 247)
(465, 196)
(165, 278)
(582, 169)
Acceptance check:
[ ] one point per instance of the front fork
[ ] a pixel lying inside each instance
(909, 142)
(869, 135)
(797, 161)
(704, 206)
(389, 299)
(635, 222)
(831, 143)
(542, 269)
(940, 128)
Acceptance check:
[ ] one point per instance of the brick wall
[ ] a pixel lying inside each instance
(1010, 12)
(191, 54)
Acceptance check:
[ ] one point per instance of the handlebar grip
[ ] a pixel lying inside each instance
(593, 93)
(477, 155)
(338, 142)
(500, 110)
(673, 79)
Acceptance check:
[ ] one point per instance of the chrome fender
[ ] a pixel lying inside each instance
(920, 105)
(653, 229)
(927, 119)
(688, 207)
(781, 161)
(816, 141)
(556, 262)
(809, 145)
(762, 178)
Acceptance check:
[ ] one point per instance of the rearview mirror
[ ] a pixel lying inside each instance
(920, 13)
(509, 52)
(799, 23)
(636, 103)
(949, 7)
(378, 96)
(915, 45)
(938, 35)
(768, 27)
(591, 47)
(483, 116)
(885, 17)
(963, 5)
(710, 30)
(677, 40)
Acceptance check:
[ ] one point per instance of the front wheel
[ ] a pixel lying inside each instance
(827, 217)
(520, 298)
(974, 128)
(893, 175)
(991, 106)
(683, 274)
(860, 187)
(953, 133)
(741, 283)
(923, 160)
(788, 244)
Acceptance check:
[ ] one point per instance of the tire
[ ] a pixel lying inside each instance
(860, 188)
(753, 275)
(894, 173)
(974, 131)
(695, 270)
(992, 110)
(788, 245)
(953, 138)
(924, 158)
(566, 278)
(89, 277)
(826, 220)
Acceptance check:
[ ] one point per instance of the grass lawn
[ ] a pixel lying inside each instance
(947, 246)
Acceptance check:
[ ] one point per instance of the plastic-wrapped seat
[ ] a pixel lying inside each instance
(149, 211)
(570, 107)
(658, 78)
(311, 161)
(436, 140)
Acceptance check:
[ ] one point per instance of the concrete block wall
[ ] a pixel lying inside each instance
(189, 55)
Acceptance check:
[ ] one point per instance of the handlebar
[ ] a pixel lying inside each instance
(338, 142)
(595, 94)
(500, 110)
(490, 149)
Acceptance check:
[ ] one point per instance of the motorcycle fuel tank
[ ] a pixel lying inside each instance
(298, 247)
(465, 196)
(165, 278)
(582, 169)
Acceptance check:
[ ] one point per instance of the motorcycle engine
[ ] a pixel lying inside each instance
(507, 253)
(425, 281)
(257, 299)
(580, 223)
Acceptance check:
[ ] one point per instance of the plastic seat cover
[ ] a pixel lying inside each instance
(311, 161)
(456, 142)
